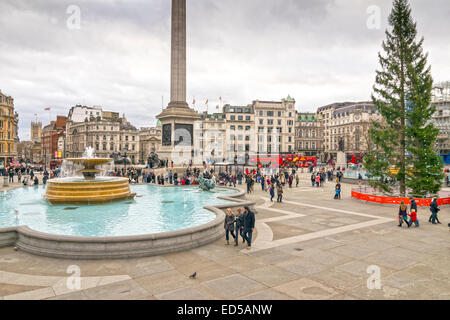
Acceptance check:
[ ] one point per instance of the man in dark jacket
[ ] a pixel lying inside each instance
(413, 205)
(434, 211)
(249, 226)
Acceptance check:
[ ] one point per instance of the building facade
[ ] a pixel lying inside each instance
(29, 152)
(346, 128)
(107, 137)
(210, 138)
(441, 120)
(240, 133)
(80, 113)
(149, 141)
(51, 134)
(309, 135)
(275, 125)
(8, 130)
(36, 131)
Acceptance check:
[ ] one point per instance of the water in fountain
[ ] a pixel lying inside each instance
(89, 153)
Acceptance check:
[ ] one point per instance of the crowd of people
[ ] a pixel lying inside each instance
(413, 213)
(28, 175)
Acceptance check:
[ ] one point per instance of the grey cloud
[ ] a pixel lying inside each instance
(317, 51)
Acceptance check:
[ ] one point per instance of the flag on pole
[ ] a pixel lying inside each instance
(193, 102)
(47, 109)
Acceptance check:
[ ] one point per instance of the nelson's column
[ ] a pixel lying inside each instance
(178, 119)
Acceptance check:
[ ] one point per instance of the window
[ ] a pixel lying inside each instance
(247, 128)
(270, 122)
(232, 128)
(240, 118)
(233, 118)
(261, 121)
(240, 128)
(248, 118)
(270, 113)
(279, 113)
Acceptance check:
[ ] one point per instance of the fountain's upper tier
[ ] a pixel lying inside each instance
(90, 162)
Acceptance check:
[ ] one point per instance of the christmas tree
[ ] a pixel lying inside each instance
(403, 144)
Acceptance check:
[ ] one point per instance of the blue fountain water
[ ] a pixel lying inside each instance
(155, 210)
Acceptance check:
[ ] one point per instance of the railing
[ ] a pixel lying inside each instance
(369, 194)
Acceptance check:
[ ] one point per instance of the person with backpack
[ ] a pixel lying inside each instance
(337, 190)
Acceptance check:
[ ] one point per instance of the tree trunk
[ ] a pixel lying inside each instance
(403, 126)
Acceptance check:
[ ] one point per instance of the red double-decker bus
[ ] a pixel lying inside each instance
(283, 160)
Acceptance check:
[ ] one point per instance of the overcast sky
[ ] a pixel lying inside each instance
(319, 52)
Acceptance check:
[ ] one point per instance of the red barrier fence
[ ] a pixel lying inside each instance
(396, 200)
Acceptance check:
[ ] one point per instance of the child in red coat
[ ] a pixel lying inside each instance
(413, 218)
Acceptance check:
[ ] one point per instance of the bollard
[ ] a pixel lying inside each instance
(5, 181)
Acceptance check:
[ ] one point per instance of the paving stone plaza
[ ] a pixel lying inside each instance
(308, 247)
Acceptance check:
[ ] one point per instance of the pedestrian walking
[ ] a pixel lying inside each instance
(272, 192)
(229, 225)
(413, 218)
(239, 226)
(249, 226)
(279, 193)
(434, 212)
(337, 191)
(402, 214)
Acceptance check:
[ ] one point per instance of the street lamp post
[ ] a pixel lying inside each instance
(125, 158)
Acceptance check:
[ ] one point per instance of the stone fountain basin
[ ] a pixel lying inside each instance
(78, 191)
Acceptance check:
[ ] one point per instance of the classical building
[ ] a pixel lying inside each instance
(441, 118)
(210, 138)
(309, 135)
(275, 125)
(80, 113)
(107, 136)
(8, 130)
(149, 141)
(240, 139)
(346, 127)
(29, 152)
(36, 131)
(51, 134)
